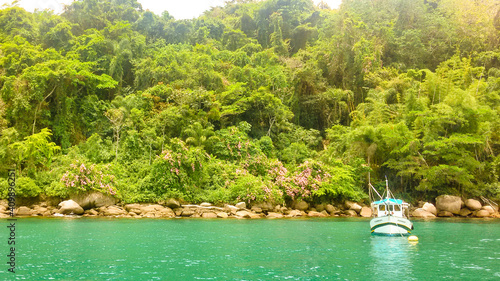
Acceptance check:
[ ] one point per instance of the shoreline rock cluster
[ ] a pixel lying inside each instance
(99, 205)
(453, 206)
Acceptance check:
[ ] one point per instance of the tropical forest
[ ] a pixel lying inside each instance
(254, 101)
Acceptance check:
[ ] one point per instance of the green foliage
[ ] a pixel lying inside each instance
(80, 178)
(404, 89)
(35, 152)
(25, 187)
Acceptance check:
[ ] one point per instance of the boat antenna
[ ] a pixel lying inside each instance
(387, 186)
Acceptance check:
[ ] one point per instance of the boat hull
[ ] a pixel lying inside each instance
(390, 225)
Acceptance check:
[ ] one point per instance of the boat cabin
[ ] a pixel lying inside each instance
(390, 207)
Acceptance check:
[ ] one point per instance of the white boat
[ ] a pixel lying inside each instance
(390, 215)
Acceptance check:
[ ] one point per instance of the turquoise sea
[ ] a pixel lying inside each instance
(231, 249)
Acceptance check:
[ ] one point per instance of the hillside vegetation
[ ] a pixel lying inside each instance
(275, 100)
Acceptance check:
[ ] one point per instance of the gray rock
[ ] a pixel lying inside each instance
(295, 213)
(173, 204)
(445, 214)
(351, 213)
(134, 208)
(429, 207)
(186, 212)
(231, 209)
(273, 215)
(449, 203)
(421, 213)
(222, 215)
(330, 209)
(464, 212)
(92, 212)
(256, 209)
(241, 205)
(315, 214)
(473, 204)
(93, 199)
(112, 211)
(243, 214)
(24, 211)
(320, 207)
(205, 204)
(482, 213)
(39, 210)
(69, 207)
(209, 215)
(256, 216)
(489, 209)
(264, 206)
(178, 212)
(301, 205)
(353, 206)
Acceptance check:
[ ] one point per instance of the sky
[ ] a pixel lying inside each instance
(180, 9)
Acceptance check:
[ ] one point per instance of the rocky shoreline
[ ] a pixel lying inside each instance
(98, 205)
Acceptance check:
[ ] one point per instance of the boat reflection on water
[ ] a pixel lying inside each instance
(393, 258)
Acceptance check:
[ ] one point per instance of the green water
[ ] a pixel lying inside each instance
(295, 249)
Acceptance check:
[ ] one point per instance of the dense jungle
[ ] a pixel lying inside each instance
(255, 101)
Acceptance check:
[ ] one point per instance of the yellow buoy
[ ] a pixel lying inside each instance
(413, 239)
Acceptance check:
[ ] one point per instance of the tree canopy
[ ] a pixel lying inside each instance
(273, 100)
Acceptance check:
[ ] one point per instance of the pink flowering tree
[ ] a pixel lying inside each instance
(82, 177)
(314, 180)
(178, 171)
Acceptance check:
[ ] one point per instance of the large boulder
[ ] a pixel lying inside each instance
(366, 212)
(69, 207)
(473, 204)
(445, 214)
(39, 210)
(94, 199)
(157, 211)
(241, 205)
(256, 209)
(301, 205)
(320, 207)
(232, 209)
(331, 209)
(186, 212)
(449, 203)
(429, 207)
(489, 209)
(113, 211)
(273, 215)
(482, 213)
(353, 206)
(209, 215)
(351, 213)
(295, 213)
(24, 211)
(173, 204)
(464, 212)
(264, 206)
(315, 214)
(222, 215)
(134, 208)
(243, 214)
(421, 213)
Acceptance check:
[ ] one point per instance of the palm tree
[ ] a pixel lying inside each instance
(197, 135)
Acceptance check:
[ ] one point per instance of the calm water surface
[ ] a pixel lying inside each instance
(295, 249)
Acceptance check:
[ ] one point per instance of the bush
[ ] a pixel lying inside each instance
(25, 187)
(81, 177)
